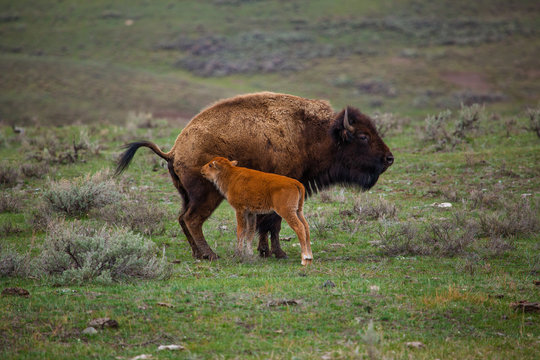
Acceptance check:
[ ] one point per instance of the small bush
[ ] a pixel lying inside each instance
(468, 121)
(9, 228)
(517, 218)
(74, 253)
(387, 123)
(52, 147)
(481, 199)
(374, 209)
(8, 176)
(142, 120)
(35, 170)
(534, 121)
(320, 225)
(9, 203)
(447, 238)
(12, 263)
(401, 240)
(78, 197)
(137, 214)
(40, 217)
(496, 246)
(437, 128)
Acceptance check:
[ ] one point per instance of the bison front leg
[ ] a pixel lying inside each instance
(270, 223)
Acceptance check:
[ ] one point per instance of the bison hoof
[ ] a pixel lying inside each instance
(210, 256)
(280, 254)
(264, 253)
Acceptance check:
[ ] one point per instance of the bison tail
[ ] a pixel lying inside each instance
(127, 156)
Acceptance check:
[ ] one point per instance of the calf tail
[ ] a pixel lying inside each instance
(127, 156)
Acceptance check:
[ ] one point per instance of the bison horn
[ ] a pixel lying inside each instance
(346, 121)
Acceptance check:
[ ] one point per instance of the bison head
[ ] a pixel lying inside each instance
(361, 155)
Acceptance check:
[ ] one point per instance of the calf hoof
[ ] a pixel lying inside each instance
(280, 254)
(306, 260)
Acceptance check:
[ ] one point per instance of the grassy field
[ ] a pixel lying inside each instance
(391, 266)
(171, 59)
(443, 276)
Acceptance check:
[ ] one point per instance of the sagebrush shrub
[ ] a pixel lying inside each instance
(516, 218)
(35, 170)
(78, 197)
(370, 208)
(446, 238)
(8, 176)
(137, 214)
(437, 128)
(12, 263)
(75, 253)
(402, 239)
(534, 121)
(9, 203)
(40, 217)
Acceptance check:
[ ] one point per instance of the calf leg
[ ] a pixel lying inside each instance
(300, 214)
(250, 232)
(297, 225)
(241, 225)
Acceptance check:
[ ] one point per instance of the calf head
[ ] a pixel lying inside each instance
(215, 167)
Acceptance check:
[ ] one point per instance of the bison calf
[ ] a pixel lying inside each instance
(251, 192)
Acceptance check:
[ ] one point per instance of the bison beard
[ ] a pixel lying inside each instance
(275, 133)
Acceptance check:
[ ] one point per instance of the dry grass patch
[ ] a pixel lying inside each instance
(453, 294)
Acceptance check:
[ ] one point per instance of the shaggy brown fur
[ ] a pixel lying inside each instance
(276, 133)
(251, 192)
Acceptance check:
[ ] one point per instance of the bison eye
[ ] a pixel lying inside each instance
(363, 137)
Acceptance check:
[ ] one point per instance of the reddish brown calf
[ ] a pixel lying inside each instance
(251, 192)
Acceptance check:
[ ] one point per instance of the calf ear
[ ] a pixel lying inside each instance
(234, 162)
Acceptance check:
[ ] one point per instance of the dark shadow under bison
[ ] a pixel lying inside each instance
(277, 133)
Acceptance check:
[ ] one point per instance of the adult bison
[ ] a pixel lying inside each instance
(277, 133)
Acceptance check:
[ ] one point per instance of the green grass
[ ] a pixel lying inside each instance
(457, 305)
(70, 63)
